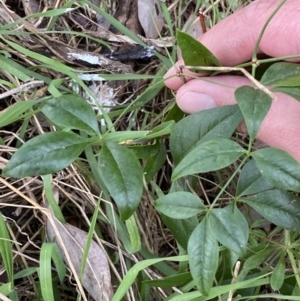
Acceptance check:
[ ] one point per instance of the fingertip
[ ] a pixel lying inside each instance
(177, 77)
(171, 80)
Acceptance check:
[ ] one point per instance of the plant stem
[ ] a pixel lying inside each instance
(269, 60)
(228, 181)
(254, 56)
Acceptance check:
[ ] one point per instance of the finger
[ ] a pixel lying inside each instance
(281, 127)
(233, 39)
(209, 92)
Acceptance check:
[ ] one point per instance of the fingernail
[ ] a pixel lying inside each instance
(195, 101)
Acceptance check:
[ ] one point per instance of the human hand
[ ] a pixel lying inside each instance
(232, 41)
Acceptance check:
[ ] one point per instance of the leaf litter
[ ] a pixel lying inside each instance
(96, 277)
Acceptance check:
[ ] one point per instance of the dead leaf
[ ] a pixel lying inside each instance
(102, 22)
(192, 26)
(96, 278)
(127, 14)
(151, 17)
(96, 2)
(31, 7)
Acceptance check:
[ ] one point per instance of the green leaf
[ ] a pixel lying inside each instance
(282, 74)
(193, 52)
(6, 251)
(24, 69)
(279, 207)
(203, 254)
(122, 175)
(50, 251)
(15, 112)
(180, 229)
(45, 154)
(45, 271)
(173, 280)
(71, 111)
(155, 163)
(59, 263)
(125, 136)
(278, 275)
(134, 235)
(208, 156)
(132, 274)
(229, 226)
(25, 273)
(12, 69)
(180, 205)
(254, 261)
(291, 91)
(6, 288)
(51, 13)
(161, 130)
(254, 105)
(152, 90)
(202, 126)
(278, 168)
(51, 200)
(145, 151)
(14, 295)
(175, 113)
(251, 181)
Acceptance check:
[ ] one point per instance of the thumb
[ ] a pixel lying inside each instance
(208, 92)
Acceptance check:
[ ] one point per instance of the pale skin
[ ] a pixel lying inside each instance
(232, 41)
